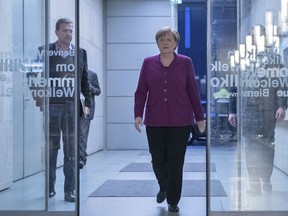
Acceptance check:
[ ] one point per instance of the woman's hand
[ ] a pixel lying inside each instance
(201, 126)
(138, 123)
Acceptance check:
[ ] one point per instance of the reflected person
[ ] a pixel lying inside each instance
(62, 105)
(168, 92)
(86, 120)
(258, 123)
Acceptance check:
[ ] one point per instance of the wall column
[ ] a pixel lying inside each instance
(6, 99)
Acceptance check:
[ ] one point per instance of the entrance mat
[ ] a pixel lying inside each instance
(149, 188)
(147, 167)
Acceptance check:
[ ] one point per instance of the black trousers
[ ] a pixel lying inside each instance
(258, 132)
(83, 137)
(259, 154)
(62, 124)
(167, 146)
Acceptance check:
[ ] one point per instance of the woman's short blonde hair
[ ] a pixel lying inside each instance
(165, 30)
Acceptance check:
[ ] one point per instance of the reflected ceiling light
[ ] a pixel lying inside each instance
(242, 51)
(269, 29)
(248, 43)
(263, 45)
(283, 17)
(232, 61)
(237, 56)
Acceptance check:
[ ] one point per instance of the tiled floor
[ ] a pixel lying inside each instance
(105, 165)
(143, 206)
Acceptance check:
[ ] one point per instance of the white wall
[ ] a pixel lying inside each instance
(6, 116)
(91, 39)
(131, 28)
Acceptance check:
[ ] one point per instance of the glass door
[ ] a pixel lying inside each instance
(39, 107)
(247, 107)
(23, 141)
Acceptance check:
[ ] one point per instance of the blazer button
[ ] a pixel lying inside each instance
(165, 99)
(165, 90)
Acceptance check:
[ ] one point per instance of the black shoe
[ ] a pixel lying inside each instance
(161, 196)
(69, 197)
(81, 164)
(173, 208)
(52, 193)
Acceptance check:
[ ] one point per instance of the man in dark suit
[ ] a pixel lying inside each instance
(61, 94)
(259, 117)
(85, 120)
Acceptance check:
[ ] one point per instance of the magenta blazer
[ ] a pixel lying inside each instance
(169, 95)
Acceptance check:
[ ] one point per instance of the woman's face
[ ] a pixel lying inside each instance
(166, 43)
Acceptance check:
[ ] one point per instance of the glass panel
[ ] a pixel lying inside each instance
(62, 105)
(39, 108)
(22, 141)
(248, 89)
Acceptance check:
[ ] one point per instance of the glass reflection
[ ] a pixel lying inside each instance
(27, 88)
(251, 66)
(22, 178)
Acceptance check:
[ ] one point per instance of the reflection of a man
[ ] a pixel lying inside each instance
(261, 108)
(61, 93)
